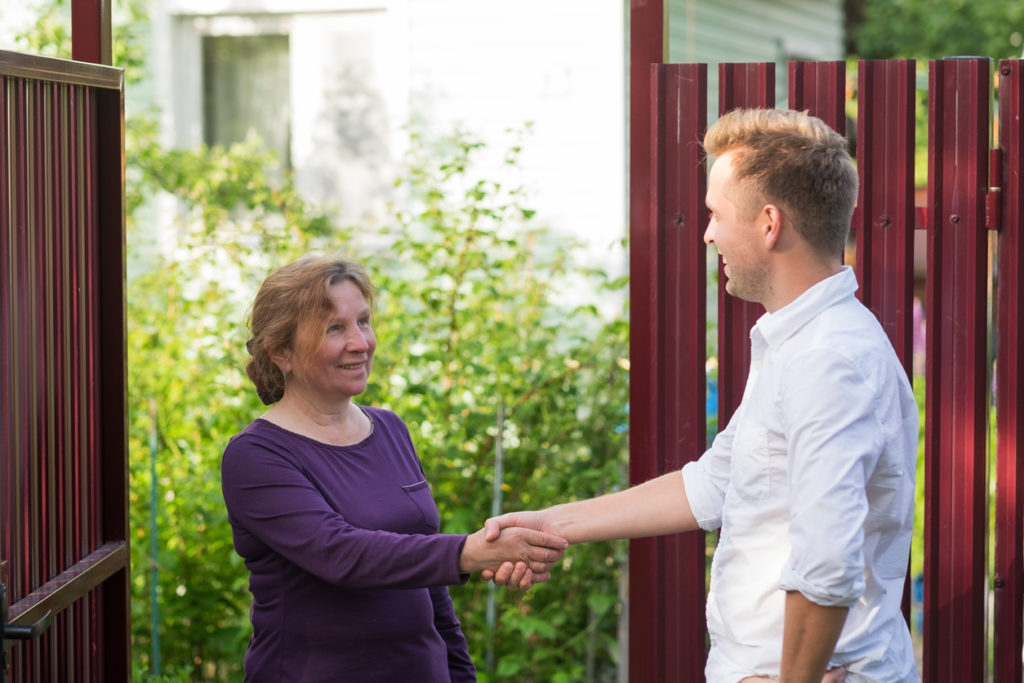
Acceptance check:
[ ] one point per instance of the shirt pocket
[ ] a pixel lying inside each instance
(419, 494)
(755, 462)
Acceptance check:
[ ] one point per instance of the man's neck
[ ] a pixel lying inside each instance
(793, 276)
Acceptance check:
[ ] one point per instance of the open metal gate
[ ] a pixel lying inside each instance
(64, 561)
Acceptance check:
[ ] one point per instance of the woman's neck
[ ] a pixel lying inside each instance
(340, 425)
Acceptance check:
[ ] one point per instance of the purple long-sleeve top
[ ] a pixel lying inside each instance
(348, 573)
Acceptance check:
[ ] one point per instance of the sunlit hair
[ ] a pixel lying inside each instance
(795, 161)
(290, 312)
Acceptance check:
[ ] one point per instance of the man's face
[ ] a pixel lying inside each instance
(733, 231)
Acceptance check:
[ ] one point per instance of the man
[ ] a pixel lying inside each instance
(812, 481)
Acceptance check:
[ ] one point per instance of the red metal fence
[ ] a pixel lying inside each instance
(63, 450)
(972, 218)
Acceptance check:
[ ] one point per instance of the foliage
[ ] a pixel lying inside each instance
(188, 394)
(468, 320)
(930, 29)
(474, 324)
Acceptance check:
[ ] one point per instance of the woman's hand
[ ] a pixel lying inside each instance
(529, 553)
(516, 575)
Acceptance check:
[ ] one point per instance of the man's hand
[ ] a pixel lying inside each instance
(527, 554)
(536, 519)
(836, 675)
(517, 575)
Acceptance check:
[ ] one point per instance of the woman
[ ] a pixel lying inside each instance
(330, 508)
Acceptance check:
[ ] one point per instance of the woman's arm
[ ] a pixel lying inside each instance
(460, 665)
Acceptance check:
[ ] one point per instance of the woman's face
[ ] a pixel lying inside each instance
(340, 368)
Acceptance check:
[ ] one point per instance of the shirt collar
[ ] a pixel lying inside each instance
(779, 326)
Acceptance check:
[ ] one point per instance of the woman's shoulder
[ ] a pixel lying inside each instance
(261, 435)
(258, 429)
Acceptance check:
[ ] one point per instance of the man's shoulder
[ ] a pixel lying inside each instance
(846, 327)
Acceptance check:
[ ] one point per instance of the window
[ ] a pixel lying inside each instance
(246, 86)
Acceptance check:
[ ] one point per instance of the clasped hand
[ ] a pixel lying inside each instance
(518, 573)
(513, 556)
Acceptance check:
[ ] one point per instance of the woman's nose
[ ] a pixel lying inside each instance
(357, 340)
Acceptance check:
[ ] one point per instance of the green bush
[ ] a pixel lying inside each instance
(471, 322)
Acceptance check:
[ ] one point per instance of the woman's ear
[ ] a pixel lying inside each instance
(283, 359)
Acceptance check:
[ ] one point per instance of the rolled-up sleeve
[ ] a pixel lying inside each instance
(835, 441)
(707, 479)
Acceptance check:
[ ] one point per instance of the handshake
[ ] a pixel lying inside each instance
(515, 550)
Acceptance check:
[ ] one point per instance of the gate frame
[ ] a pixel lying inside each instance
(99, 580)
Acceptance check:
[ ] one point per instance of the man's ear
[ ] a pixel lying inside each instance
(770, 222)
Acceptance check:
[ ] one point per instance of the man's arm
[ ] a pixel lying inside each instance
(654, 508)
(809, 637)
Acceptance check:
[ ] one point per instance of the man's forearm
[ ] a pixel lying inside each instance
(809, 638)
(654, 508)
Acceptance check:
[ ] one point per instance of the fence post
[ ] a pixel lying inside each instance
(646, 47)
(1008, 582)
(667, 574)
(956, 388)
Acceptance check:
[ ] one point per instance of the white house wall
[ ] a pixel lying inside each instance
(361, 70)
(558, 64)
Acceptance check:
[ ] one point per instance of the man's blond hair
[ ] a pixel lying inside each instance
(795, 161)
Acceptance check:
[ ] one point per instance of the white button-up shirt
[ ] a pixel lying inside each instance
(812, 485)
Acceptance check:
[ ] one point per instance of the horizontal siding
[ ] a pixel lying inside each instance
(744, 31)
(724, 31)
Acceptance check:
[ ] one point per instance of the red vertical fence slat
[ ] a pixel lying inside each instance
(646, 47)
(884, 222)
(679, 117)
(739, 85)
(885, 233)
(820, 89)
(1008, 579)
(955, 422)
